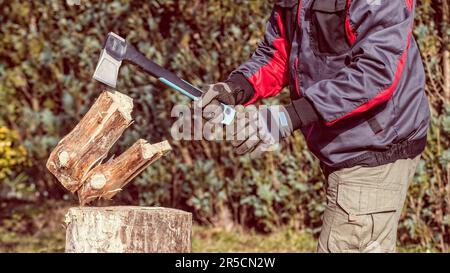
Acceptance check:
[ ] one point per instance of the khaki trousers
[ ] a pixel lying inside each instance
(364, 206)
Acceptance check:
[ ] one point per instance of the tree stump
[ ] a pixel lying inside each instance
(128, 229)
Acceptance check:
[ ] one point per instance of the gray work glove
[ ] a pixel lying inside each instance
(213, 95)
(260, 130)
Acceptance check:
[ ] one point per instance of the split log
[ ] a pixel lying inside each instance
(128, 229)
(89, 142)
(106, 180)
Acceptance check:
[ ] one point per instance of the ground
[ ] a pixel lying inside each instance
(43, 231)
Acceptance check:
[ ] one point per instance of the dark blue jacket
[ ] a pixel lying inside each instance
(355, 75)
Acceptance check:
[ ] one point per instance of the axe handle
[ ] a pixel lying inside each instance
(162, 74)
(172, 80)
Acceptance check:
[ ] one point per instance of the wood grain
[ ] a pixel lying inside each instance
(89, 142)
(106, 180)
(128, 229)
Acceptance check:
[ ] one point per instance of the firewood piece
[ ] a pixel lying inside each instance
(89, 142)
(127, 229)
(106, 180)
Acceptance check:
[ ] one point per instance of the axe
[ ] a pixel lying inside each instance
(116, 49)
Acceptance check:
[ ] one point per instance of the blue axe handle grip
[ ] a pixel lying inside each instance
(172, 80)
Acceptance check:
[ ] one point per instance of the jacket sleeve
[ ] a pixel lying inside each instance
(381, 37)
(267, 69)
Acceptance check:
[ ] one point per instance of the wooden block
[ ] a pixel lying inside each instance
(128, 229)
(89, 142)
(106, 180)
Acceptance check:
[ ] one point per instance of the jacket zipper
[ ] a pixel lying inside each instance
(297, 85)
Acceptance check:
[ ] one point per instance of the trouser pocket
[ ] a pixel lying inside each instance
(366, 218)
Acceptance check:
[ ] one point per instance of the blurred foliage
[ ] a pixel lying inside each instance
(11, 154)
(30, 228)
(48, 52)
(13, 160)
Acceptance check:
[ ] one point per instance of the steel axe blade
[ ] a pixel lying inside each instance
(113, 52)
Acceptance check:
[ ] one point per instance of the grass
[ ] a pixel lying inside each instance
(30, 228)
(43, 232)
(284, 240)
(39, 243)
(204, 240)
(218, 240)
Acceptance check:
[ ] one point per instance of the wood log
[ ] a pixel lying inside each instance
(89, 142)
(106, 180)
(127, 229)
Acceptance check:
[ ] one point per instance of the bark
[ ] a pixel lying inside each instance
(128, 229)
(106, 180)
(89, 142)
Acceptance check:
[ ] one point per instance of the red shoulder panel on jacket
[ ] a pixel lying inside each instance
(351, 34)
(409, 4)
(272, 77)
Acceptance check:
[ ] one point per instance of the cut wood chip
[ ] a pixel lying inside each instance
(106, 180)
(89, 142)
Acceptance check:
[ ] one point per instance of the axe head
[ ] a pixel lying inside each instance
(113, 53)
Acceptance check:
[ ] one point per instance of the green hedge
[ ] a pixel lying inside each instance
(48, 52)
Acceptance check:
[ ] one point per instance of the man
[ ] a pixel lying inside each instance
(357, 93)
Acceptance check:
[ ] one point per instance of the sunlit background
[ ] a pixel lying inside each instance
(48, 52)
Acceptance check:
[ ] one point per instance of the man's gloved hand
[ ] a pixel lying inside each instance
(259, 130)
(254, 130)
(228, 92)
